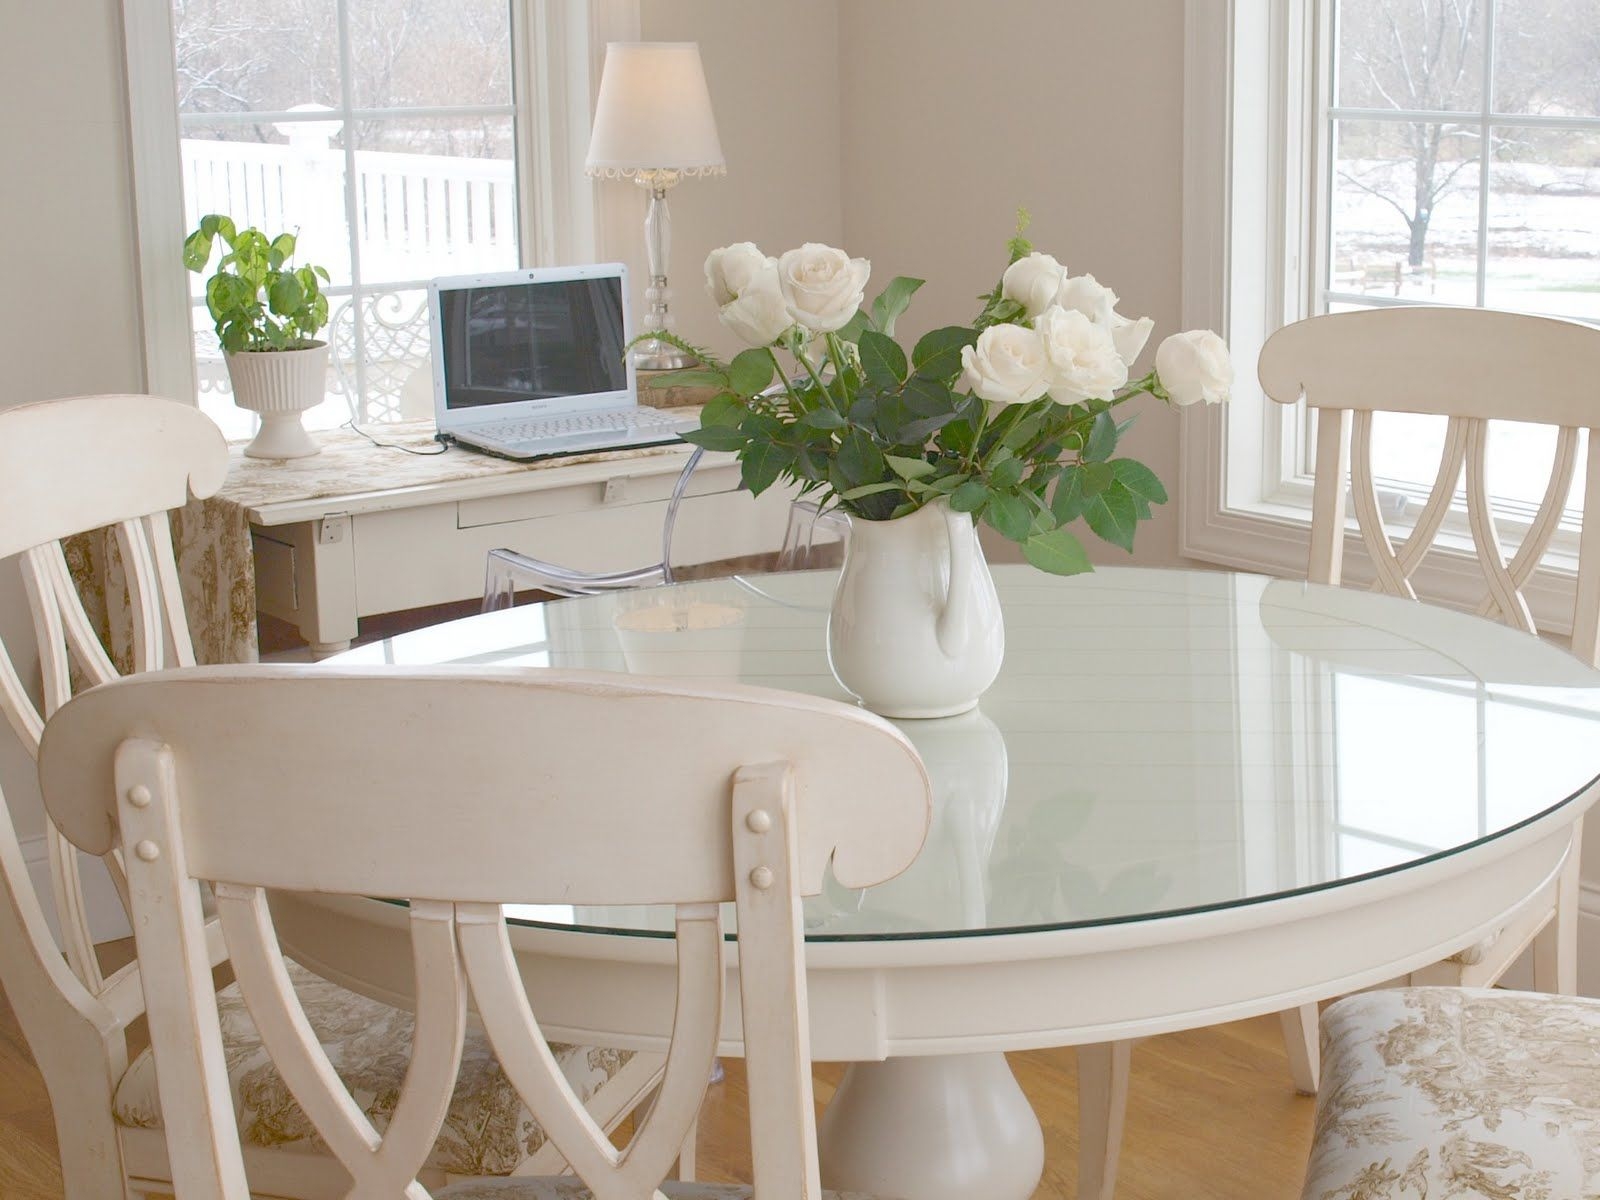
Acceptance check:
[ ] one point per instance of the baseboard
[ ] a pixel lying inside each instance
(108, 921)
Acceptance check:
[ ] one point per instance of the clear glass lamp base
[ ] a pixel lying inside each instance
(659, 356)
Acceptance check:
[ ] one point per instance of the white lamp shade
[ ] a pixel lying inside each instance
(654, 112)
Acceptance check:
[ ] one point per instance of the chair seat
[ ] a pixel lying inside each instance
(488, 1130)
(567, 1187)
(1437, 1092)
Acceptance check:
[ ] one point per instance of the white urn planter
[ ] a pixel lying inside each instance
(916, 629)
(280, 385)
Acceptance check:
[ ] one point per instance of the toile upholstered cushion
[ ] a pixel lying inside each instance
(565, 1187)
(487, 1130)
(1434, 1093)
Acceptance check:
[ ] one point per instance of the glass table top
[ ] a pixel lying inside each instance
(1158, 742)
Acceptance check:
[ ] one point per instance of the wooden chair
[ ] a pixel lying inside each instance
(729, 793)
(1471, 366)
(67, 467)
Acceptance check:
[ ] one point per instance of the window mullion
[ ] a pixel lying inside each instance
(1485, 132)
(358, 403)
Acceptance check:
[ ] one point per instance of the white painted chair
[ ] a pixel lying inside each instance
(1470, 366)
(1441, 1091)
(730, 793)
(67, 467)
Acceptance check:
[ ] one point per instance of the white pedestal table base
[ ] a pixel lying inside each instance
(937, 1128)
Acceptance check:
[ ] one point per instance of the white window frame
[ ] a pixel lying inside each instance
(558, 47)
(1257, 103)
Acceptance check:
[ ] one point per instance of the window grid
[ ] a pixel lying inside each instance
(359, 288)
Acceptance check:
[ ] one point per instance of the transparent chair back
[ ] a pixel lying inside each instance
(813, 538)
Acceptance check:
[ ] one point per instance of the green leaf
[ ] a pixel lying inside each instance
(283, 246)
(717, 437)
(882, 360)
(870, 489)
(761, 464)
(858, 460)
(285, 295)
(937, 355)
(1066, 505)
(750, 372)
(1102, 438)
(722, 409)
(893, 301)
(1096, 478)
(1009, 514)
(1057, 552)
(197, 250)
(970, 496)
(823, 418)
(1007, 473)
(1139, 479)
(852, 329)
(1113, 516)
(909, 468)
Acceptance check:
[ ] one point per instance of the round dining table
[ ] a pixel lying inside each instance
(1190, 797)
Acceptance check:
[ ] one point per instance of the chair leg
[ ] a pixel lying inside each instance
(1555, 947)
(1102, 1109)
(686, 1153)
(1300, 1040)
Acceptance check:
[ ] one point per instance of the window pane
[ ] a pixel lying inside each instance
(260, 175)
(1405, 211)
(1425, 57)
(1547, 57)
(436, 197)
(1406, 449)
(430, 52)
(245, 56)
(1544, 221)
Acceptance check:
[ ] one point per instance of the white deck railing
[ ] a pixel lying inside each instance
(418, 215)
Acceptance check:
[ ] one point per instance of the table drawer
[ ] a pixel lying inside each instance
(621, 491)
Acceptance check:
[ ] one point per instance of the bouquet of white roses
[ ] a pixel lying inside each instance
(1009, 419)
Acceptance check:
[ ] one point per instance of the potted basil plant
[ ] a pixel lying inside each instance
(267, 313)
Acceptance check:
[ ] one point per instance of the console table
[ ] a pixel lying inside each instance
(361, 529)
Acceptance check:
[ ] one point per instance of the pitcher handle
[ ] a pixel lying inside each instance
(953, 628)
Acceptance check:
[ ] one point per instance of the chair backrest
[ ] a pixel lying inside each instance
(1471, 366)
(498, 785)
(69, 467)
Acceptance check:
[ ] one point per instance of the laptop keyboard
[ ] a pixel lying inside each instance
(624, 421)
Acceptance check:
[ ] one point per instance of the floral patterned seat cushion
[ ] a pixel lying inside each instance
(487, 1131)
(1435, 1093)
(565, 1187)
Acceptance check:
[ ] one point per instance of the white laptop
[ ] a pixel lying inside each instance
(531, 363)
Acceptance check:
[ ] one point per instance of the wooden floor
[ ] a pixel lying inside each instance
(1213, 1117)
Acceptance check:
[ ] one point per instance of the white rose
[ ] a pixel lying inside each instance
(1088, 295)
(1083, 359)
(822, 287)
(1007, 366)
(729, 270)
(1195, 366)
(1130, 336)
(1033, 282)
(758, 315)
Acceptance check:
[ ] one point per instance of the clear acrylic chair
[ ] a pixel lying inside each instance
(813, 538)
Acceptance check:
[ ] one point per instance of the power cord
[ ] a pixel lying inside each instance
(440, 449)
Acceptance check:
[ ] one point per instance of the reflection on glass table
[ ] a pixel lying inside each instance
(1157, 743)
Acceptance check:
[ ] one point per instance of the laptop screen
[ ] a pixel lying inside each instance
(530, 340)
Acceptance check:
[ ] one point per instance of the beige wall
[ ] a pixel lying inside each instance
(1072, 109)
(69, 317)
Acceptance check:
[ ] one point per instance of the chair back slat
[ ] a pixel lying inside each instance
(735, 794)
(69, 467)
(1471, 366)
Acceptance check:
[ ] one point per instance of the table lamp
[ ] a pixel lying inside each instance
(653, 124)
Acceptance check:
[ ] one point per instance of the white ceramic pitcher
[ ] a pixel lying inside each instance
(915, 629)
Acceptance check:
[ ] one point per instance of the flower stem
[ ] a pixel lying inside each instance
(783, 376)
